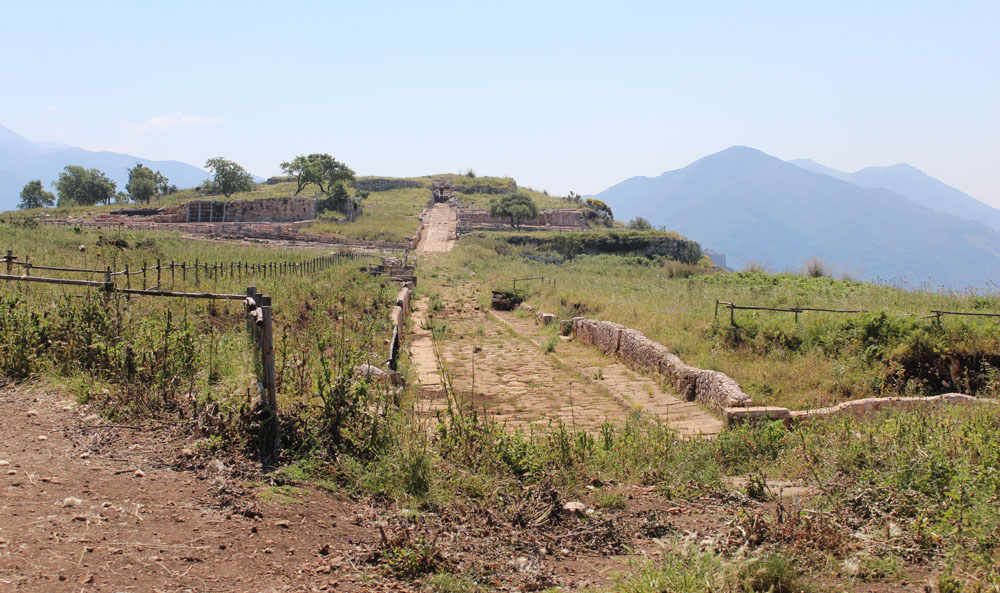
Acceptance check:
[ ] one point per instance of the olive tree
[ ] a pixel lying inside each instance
(34, 196)
(517, 207)
(228, 177)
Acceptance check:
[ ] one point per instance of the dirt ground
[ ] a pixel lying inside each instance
(92, 506)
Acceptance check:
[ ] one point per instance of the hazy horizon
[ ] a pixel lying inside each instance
(562, 96)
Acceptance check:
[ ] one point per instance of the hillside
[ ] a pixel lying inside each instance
(22, 160)
(912, 183)
(755, 207)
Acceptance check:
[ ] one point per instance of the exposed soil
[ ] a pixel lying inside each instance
(91, 506)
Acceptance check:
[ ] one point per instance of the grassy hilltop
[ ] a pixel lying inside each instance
(890, 502)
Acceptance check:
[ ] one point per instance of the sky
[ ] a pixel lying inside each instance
(559, 95)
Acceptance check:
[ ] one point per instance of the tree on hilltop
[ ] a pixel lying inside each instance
(321, 169)
(84, 187)
(144, 183)
(34, 196)
(516, 206)
(228, 177)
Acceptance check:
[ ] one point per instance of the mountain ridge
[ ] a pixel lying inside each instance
(910, 182)
(756, 207)
(22, 160)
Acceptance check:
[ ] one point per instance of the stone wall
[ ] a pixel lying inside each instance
(857, 408)
(398, 316)
(712, 388)
(289, 209)
(469, 219)
(382, 184)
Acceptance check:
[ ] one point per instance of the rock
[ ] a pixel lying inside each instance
(575, 508)
(4, 463)
(186, 452)
(377, 375)
(32, 413)
(71, 502)
(42, 437)
(282, 523)
(217, 466)
(546, 318)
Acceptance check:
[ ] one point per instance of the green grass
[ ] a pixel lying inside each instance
(823, 359)
(387, 216)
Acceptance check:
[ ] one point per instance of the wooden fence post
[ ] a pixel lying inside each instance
(196, 272)
(10, 260)
(144, 275)
(158, 284)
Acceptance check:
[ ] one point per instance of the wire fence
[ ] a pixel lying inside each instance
(257, 306)
(934, 314)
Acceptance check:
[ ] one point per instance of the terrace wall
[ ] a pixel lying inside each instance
(712, 388)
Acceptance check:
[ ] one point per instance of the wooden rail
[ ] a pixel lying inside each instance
(935, 314)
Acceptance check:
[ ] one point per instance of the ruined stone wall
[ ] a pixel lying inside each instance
(288, 209)
(469, 219)
(712, 388)
(381, 184)
(857, 408)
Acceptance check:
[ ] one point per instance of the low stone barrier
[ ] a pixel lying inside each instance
(398, 315)
(634, 349)
(857, 408)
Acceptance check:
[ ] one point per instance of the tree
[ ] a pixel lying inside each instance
(640, 224)
(84, 187)
(228, 177)
(143, 183)
(599, 208)
(516, 206)
(34, 196)
(321, 169)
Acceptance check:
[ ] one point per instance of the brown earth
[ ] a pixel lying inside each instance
(91, 506)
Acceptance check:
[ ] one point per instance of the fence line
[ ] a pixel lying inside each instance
(211, 270)
(259, 315)
(733, 307)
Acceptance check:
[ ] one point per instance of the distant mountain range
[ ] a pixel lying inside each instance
(755, 207)
(916, 185)
(22, 160)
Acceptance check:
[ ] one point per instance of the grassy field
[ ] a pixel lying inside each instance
(156, 357)
(823, 359)
(893, 498)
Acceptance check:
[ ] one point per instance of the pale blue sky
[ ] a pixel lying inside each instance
(562, 96)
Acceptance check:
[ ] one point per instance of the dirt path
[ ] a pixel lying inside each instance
(88, 506)
(440, 229)
(503, 363)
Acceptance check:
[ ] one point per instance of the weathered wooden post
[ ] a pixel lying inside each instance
(158, 285)
(196, 272)
(144, 275)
